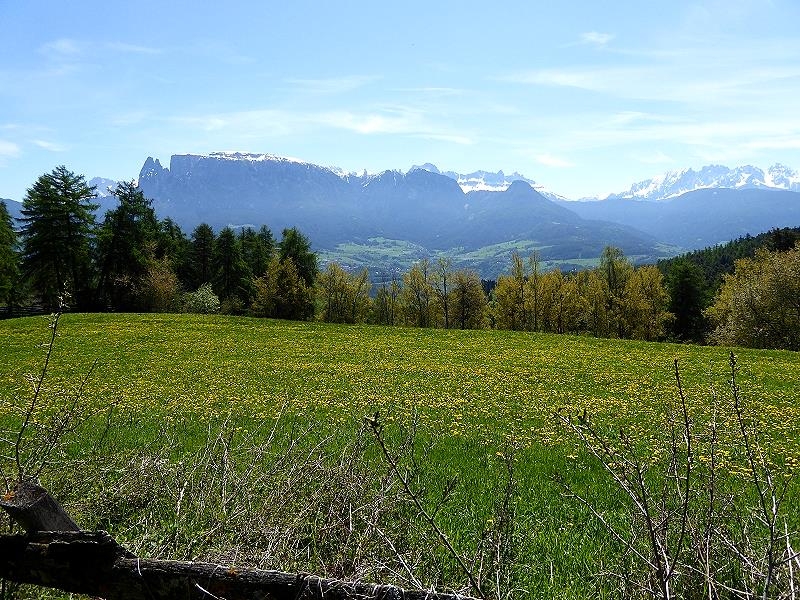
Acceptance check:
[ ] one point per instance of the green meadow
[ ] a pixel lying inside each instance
(472, 399)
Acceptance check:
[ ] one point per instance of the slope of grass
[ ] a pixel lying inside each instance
(474, 396)
(483, 385)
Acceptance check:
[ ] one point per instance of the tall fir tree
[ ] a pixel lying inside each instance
(257, 248)
(125, 246)
(200, 255)
(9, 259)
(688, 298)
(57, 234)
(295, 245)
(231, 275)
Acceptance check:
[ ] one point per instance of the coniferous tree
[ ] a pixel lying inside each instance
(9, 259)
(125, 246)
(173, 245)
(257, 248)
(200, 255)
(295, 246)
(57, 234)
(231, 276)
(688, 299)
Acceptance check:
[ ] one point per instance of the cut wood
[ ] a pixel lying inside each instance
(32, 506)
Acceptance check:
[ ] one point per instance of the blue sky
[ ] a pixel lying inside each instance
(584, 97)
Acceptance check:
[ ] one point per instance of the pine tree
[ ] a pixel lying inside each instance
(125, 246)
(257, 248)
(57, 233)
(688, 299)
(200, 255)
(9, 258)
(295, 245)
(230, 273)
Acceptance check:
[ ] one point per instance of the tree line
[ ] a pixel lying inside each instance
(699, 282)
(132, 261)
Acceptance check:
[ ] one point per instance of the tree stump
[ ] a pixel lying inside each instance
(32, 506)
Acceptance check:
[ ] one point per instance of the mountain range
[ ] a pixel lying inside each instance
(674, 183)
(387, 220)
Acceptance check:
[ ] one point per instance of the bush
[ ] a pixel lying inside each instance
(203, 301)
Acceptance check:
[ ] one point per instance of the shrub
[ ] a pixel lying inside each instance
(203, 301)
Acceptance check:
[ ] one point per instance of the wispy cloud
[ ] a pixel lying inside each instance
(8, 149)
(49, 146)
(596, 38)
(132, 48)
(394, 120)
(548, 160)
(61, 48)
(331, 85)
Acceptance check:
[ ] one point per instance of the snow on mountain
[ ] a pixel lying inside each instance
(486, 181)
(102, 185)
(674, 183)
(248, 156)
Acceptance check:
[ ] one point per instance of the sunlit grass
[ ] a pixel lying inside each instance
(473, 394)
(483, 385)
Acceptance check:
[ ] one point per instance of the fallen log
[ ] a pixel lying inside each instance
(93, 563)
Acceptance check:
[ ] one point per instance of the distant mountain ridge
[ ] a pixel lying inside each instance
(703, 217)
(421, 208)
(387, 220)
(675, 183)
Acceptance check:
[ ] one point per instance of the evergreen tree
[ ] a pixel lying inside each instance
(173, 244)
(257, 248)
(295, 246)
(57, 233)
(9, 259)
(230, 273)
(200, 255)
(688, 299)
(125, 246)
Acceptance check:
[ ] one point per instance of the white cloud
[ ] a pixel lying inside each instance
(332, 85)
(61, 48)
(596, 38)
(370, 123)
(385, 120)
(132, 48)
(703, 74)
(8, 149)
(548, 160)
(50, 146)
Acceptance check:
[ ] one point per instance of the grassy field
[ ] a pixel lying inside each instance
(473, 395)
